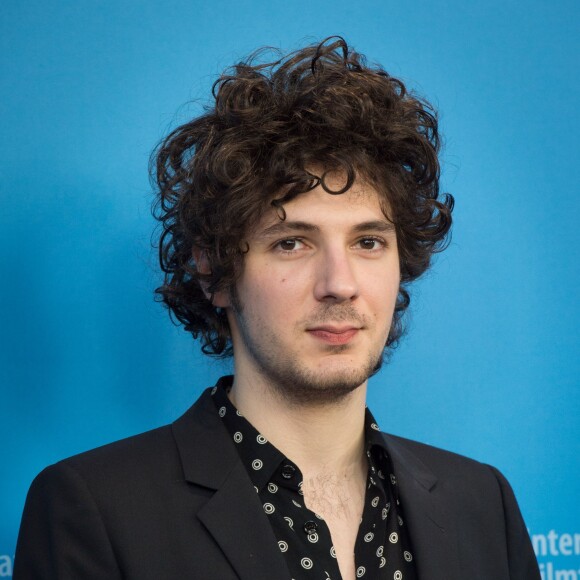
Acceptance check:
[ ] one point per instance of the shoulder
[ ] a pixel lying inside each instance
(110, 469)
(129, 498)
(138, 450)
(154, 453)
(136, 479)
(145, 462)
(448, 471)
(477, 499)
(440, 461)
(466, 482)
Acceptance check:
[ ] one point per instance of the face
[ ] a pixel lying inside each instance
(313, 307)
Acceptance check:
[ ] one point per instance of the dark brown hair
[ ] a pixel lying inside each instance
(321, 106)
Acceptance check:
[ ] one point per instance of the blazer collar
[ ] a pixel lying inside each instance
(433, 536)
(233, 515)
(207, 455)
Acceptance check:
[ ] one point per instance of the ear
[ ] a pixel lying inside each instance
(219, 299)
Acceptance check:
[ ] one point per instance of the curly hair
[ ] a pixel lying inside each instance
(254, 148)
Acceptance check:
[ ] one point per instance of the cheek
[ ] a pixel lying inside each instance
(269, 292)
(383, 296)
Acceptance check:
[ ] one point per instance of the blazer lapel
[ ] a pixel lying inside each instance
(235, 518)
(233, 515)
(433, 537)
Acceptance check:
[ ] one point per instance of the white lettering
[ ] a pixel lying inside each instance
(548, 572)
(540, 544)
(552, 537)
(554, 544)
(565, 544)
(5, 566)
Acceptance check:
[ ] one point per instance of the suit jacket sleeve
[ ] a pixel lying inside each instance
(521, 558)
(62, 535)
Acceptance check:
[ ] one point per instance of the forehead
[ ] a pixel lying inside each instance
(361, 203)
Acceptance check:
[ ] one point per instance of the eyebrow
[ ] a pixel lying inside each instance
(290, 227)
(376, 226)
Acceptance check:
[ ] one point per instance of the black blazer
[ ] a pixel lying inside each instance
(176, 503)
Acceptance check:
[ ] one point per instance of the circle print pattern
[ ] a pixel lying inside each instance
(257, 464)
(222, 411)
(360, 571)
(394, 538)
(306, 563)
(261, 439)
(313, 538)
(383, 562)
(380, 551)
(368, 537)
(385, 513)
(407, 555)
(375, 427)
(283, 546)
(269, 508)
(272, 488)
(290, 522)
(238, 437)
(333, 552)
(375, 501)
(398, 575)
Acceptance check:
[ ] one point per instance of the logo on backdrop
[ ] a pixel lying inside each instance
(558, 555)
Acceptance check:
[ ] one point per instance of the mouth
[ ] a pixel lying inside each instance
(334, 334)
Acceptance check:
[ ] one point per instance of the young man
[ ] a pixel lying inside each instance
(295, 212)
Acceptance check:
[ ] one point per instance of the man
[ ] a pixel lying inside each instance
(295, 212)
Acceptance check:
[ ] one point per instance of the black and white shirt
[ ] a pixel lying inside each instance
(382, 549)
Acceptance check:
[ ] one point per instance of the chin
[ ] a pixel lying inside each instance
(329, 384)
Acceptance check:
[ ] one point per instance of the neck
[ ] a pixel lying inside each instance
(318, 438)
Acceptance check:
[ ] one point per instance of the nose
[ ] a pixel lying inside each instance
(335, 277)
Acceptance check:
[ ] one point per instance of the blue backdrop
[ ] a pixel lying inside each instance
(490, 366)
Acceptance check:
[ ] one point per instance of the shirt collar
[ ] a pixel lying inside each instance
(259, 456)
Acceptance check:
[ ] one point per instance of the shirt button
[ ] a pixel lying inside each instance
(288, 471)
(310, 527)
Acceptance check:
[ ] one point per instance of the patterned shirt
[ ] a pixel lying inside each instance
(382, 549)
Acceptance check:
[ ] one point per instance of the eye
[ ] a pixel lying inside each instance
(371, 243)
(289, 245)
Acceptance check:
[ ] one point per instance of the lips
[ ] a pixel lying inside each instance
(334, 334)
